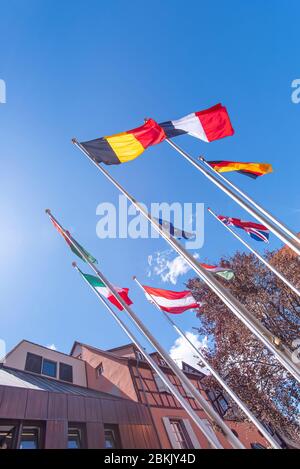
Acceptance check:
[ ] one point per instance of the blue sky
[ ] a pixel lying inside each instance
(97, 68)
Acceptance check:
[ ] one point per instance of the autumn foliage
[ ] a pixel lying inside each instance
(245, 364)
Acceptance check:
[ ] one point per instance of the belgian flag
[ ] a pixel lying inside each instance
(125, 146)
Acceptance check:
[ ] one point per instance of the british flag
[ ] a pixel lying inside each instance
(255, 230)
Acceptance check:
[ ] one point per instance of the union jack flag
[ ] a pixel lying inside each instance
(255, 230)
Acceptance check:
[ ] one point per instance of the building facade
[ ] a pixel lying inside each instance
(97, 398)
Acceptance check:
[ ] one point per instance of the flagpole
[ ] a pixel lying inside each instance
(210, 412)
(273, 343)
(265, 212)
(151, 362)
(262, 259)
(215, 374)
(236, 198)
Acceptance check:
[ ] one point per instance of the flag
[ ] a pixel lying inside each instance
(76, 246)
(104, 291)
(174, 302)
(125, 146)
(255, 230)
(252, 170)
(223, 272)
(208, 125)
(173, 231)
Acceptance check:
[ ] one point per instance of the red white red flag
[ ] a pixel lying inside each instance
(174, 302)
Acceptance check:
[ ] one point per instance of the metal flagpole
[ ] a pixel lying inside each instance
(211, 413)
(209, 174)
(262, 259)
(273, 343)
(216, 375)
(151, 362)
(271, 217)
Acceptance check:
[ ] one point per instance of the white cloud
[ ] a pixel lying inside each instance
(182, 351)
(51, 346)
(168, 269)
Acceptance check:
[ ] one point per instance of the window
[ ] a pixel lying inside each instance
(162, 362)
(66, 372)
(222, 403)
(187, 391)
(33, 363)
(49, 368)
(180, 435)
(7, 436)
(111, 437)
(160, 384)
(26, 435)
(139, 356)
(275, 435)
(30, 438)
(40, 365)
(99, 370)
(218, 401)
(75, 437)
(257, 446)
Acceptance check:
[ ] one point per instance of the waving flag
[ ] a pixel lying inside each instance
(173, 231)
(125, 146)
(252, 170)
(104, 291)
(74, 246)
(174, 302)
(208, 125)
(223, 272)
(255, 230)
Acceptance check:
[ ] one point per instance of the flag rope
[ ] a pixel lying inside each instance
(215, 374)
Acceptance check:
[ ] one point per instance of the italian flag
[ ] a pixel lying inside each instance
(174, 302)
(223, 272)
(96, 283)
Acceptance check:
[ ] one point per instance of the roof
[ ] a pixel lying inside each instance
(120, 347)
(110, 350)
(107, 353)
(37, 345)
(22, 379)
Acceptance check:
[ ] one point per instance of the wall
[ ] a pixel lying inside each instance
(164, 405)
(55, 410)
(116, 378)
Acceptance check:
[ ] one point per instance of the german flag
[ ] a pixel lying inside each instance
(252, 170)
(125, 146)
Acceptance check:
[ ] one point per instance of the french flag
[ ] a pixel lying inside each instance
(208, 125)
(255, 230)
(174, 302)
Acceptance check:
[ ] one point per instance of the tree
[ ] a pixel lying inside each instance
(245, 364)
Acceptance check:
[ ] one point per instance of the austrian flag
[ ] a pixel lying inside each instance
(174, 302)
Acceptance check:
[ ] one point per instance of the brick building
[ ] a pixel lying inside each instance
(97, 398)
